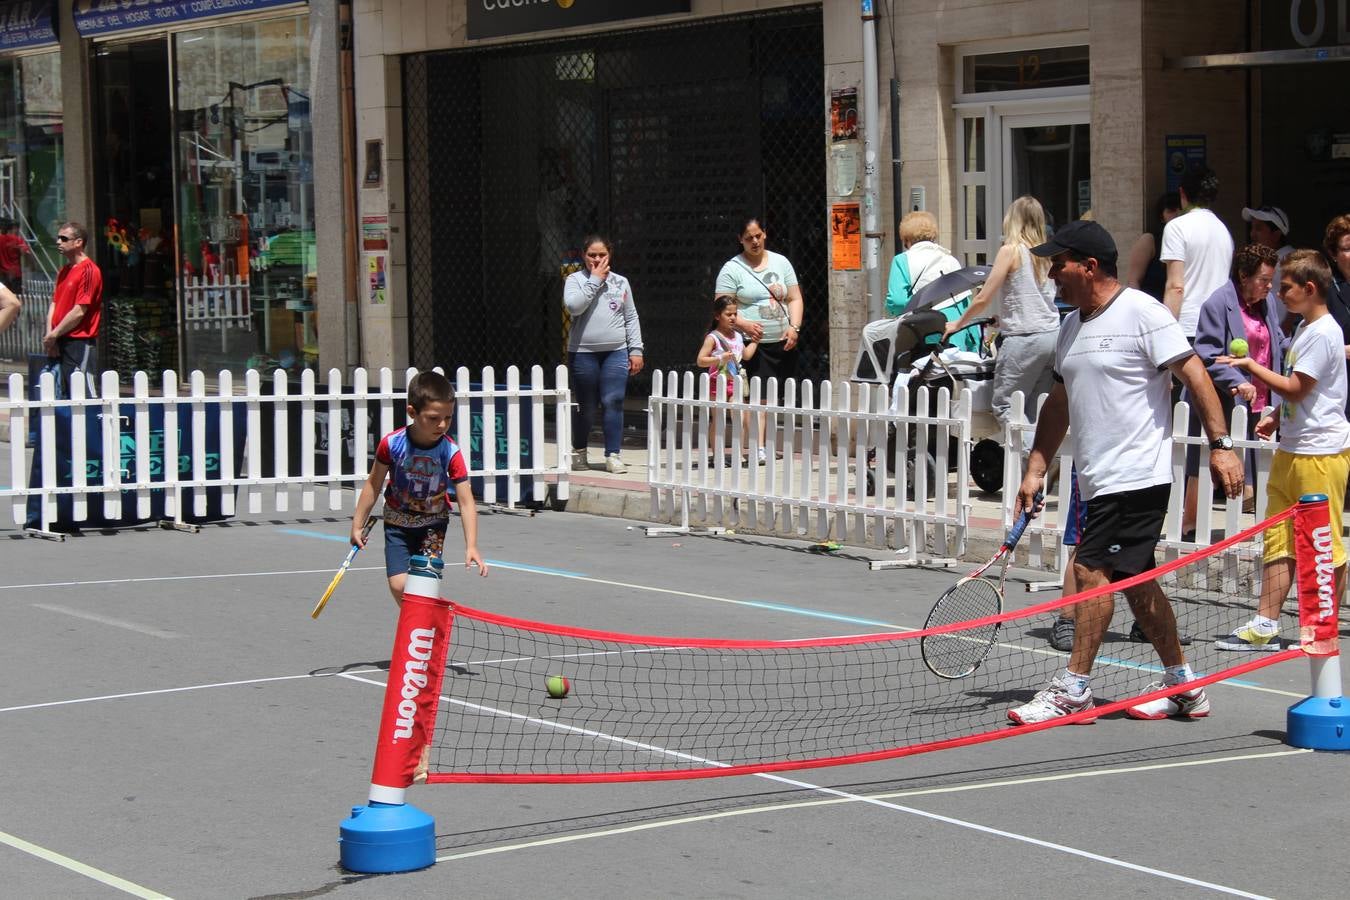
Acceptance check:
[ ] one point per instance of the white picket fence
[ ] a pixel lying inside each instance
(817, 482)
(333, 423)
(1045, 533)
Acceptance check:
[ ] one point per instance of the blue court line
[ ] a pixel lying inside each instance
(500, 563)
(817, 614)
(541, 570)
(340, 538)
(1153, 667)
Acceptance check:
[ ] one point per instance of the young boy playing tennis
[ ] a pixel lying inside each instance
(1314, 452)
(421, 463)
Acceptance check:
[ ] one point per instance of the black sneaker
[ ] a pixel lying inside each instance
(1137, 635)
(1061, 634)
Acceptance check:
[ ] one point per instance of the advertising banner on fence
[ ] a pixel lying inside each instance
(127, 465)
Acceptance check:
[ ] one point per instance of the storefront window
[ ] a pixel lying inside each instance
(243, 153)
(32, 172)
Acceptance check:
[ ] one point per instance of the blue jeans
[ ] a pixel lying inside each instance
(598, 378)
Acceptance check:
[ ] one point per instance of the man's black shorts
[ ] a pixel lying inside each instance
(1122, 531)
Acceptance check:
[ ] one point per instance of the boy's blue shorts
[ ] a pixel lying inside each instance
(401, 544)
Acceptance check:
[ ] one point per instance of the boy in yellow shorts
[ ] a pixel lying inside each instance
(1314, 452)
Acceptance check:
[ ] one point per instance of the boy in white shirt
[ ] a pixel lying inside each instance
(1314, 452)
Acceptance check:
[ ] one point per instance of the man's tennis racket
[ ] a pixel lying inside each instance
(956, 654)
(342, 570)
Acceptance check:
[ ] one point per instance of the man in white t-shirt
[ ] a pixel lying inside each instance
(1118, 343)
(1196, 249)
(1314, 452)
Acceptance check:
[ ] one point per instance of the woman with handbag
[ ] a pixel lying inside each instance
(769, 307)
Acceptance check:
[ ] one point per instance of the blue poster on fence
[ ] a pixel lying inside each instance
(127, 464)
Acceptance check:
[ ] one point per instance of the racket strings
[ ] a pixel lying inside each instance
(954, 654)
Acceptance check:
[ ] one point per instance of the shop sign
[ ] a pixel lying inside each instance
(1305, 23)
(27, 23)
(497, 18)
(95, 17)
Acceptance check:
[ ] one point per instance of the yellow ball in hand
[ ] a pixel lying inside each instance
(1237, 347)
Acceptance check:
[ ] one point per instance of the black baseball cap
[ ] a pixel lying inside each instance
(1082, 237)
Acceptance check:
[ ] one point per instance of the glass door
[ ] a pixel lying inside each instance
(1050, 158)
(245, 196)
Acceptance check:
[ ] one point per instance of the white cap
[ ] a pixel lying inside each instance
(1272, 214)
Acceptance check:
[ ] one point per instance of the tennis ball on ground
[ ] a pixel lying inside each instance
(1237, 347)
(557, 686)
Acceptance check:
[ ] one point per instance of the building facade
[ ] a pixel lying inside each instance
(337, 183)
(182, 135)
(506, 134)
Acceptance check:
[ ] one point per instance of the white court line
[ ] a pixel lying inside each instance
(80, 868)
(53, 584)
(843, 796)
(176, 690)
(1040, 651)
(105, 620)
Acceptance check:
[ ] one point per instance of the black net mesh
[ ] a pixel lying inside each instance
(643, 707)
(660, 138)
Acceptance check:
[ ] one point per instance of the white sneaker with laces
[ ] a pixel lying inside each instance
(1189, 705)
(614, 465)
(1053, 703)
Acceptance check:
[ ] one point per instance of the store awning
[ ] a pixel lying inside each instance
(1292, 57)
(95, 18)
(25, 24)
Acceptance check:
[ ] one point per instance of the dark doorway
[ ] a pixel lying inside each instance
(662, 139)
(133, 180)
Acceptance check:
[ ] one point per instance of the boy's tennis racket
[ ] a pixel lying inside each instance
(956, 654)
(342, 570)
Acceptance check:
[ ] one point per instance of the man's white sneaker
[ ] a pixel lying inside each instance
(1189, 705)
(1053, 703)
(614, 465)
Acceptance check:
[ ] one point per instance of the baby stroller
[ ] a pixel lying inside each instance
(906, 353)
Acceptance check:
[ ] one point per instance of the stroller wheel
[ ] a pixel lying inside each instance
(986, 466)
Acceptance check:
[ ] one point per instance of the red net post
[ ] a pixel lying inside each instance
(390, 835)
(1321, 721)
(413, 691)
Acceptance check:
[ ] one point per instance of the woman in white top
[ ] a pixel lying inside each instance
(1021, 295)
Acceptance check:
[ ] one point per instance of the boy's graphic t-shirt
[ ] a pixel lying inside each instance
(419, 479)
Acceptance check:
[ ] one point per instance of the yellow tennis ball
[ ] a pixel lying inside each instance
(557, 686)
(1237, 347)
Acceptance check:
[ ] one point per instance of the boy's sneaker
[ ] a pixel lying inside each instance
(1189, 705)
(762, 456)
(1061, 634)
(579, 461)
(614, 465)
(1251, 639)
(1054, 702)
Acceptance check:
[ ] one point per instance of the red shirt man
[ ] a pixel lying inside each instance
(12, 248)
(77, 307)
